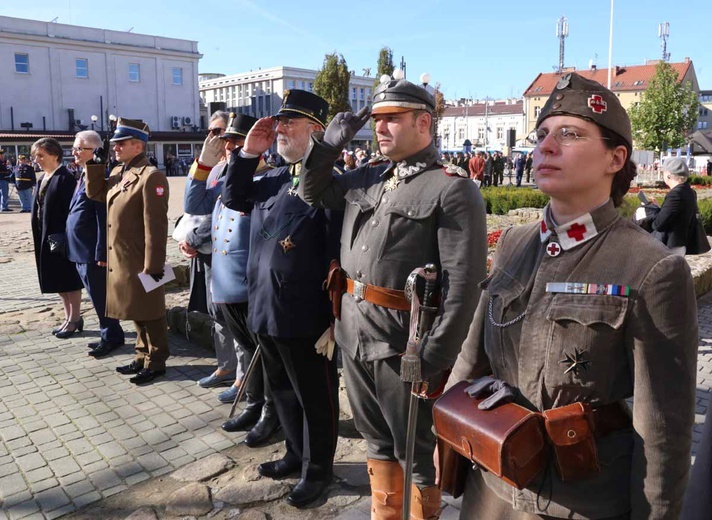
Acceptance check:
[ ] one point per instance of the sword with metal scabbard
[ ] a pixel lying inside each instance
(420, 322)
(243, 386)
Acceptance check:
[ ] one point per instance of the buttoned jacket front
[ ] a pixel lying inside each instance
(431, 216)
(643, 344)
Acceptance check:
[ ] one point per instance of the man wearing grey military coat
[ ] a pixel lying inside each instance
(399, 215)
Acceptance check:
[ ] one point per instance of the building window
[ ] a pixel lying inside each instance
(500, 133)
(134, 72)
(22, 63)
(536, 111)
(701, 125)
(177, 74)
(82, 67)
(461, 133)
(481, 133)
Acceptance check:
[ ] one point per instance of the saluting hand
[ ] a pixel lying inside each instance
(344, 127)
(260, 137)
(212, 151)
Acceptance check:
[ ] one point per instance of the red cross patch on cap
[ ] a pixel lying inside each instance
(160, 191)
(597, 104)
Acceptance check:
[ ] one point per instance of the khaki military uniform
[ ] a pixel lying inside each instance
(622, 308)
(136, 196)
(398, 217)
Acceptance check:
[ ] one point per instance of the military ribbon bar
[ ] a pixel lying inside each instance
(588, 288)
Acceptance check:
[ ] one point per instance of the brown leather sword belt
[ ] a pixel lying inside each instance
(390, 298)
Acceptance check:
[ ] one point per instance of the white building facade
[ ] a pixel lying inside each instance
(55, 77)
(485, 124)
(259, 93)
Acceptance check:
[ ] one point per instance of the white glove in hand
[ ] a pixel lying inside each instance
(325, 344)
(212, 151)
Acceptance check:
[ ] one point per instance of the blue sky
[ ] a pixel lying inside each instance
(473, 49)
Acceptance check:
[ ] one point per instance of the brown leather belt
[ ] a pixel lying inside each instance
(609, 418)
(390, 298)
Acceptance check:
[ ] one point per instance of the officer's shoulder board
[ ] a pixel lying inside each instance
(452, 170)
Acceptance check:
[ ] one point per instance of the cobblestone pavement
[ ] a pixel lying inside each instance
(75, 432)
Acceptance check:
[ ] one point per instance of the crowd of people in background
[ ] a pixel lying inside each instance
(492, 167)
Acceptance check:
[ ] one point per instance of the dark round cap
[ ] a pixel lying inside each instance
(238, 126)
(297, 103)
(580, 97)
(401, 96)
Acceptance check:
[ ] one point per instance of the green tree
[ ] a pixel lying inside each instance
(332, 83)
(666, 113)
(385, 64)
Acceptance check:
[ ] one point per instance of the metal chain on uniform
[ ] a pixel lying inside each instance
(506, 323)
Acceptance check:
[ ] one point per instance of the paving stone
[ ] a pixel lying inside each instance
(244, 493)
(64, 466)
(25, 509)
(193, 499)
(31, 461)
(135, 479)
(52, 499)
(44, 484)
(12, 484)
(12, 432)
(79, 488)
(38, 475)
(204, 469)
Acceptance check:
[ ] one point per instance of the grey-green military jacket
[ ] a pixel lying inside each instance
(641, 344)
(431, 216)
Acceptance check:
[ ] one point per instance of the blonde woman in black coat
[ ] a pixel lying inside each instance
(50, 208)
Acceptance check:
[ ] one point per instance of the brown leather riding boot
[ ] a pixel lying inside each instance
(425, 503)
(386, 489)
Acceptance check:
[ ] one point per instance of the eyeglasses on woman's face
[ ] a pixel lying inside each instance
(565, 136)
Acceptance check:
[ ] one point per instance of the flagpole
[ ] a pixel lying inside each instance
(610, 48)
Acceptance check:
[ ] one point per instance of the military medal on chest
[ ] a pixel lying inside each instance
(287, 244)
(392, 183)
(575, 361)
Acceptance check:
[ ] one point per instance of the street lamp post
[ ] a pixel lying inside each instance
(94, 119)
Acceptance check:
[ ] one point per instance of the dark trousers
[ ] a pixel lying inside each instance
(235, 316)
(305, 389)
(379, 401)
(152, 343)
(94, 280)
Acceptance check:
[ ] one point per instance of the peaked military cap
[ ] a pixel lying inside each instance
(400, 95)
(580, 97)
(130, 129)
(296, 103)
(238, 126)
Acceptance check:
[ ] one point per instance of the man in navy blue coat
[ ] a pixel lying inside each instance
(291, 245)
(86, 241)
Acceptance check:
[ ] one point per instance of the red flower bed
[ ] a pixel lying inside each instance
(493, 238)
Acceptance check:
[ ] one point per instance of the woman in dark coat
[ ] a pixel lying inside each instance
(50, 208)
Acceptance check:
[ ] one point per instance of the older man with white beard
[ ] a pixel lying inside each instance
(291, 245)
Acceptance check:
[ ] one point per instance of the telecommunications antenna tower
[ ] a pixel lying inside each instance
(663, 33)
(562, 31)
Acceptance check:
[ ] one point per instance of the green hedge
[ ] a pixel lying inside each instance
(705, 207)
(500, 200)
(700, 181)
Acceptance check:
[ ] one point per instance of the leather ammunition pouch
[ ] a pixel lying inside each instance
(507, 441)
(335, 284)
(510, 441)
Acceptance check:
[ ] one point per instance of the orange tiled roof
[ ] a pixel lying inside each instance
(624, 79)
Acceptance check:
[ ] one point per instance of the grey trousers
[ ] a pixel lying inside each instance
(379, 401)
(230, 356)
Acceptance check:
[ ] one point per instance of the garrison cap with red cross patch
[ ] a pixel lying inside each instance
(577, 96)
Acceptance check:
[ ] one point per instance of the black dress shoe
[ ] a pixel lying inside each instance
(66, 332)
(101, 350)
(93, 344)
(246, 420)
(146, 376)
(134, 368)
(307, 491)
(279, 468)
(266, 427)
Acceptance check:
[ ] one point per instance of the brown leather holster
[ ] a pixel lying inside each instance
(335, 284)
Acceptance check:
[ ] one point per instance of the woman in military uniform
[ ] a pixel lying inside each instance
(586, 307)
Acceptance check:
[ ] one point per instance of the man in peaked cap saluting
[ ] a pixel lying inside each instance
(136, 195)
(291, 245)
(399, 215)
